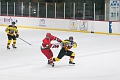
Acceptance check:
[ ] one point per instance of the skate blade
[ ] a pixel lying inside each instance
(71, 64)
(14, 48)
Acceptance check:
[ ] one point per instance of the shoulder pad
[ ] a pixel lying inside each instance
(10, 26)
(15, 26)
(66, 40)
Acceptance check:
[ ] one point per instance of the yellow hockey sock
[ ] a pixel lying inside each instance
(56, 59)
(73, 54)
(9, 41)
(71, 59)
(14, 42)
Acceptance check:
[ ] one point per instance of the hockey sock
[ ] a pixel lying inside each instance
(14, 42)
(56, 59)
(50, 61)
(71, 58)
(9, 41)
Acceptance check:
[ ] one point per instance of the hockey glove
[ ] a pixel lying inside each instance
(17, 35)
(55, 46)
(75, 45)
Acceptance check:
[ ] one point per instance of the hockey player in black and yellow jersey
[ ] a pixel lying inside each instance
(65, 50)
(12, 33)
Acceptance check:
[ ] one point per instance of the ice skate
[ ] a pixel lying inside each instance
(8, 47)
(70, 62)
(14, 47)
(50, 62)
(53, 64)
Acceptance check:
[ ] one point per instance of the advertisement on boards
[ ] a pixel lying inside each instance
(83, 25)
(42, 23)
(114, 10)
(8, 20)
(73, 24)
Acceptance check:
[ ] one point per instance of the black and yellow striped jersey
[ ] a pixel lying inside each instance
(68, 44)
(11, 30)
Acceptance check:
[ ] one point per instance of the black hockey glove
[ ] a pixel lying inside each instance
(17, 35)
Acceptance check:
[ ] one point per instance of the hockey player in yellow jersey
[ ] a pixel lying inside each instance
(65, 50)
(12, 34)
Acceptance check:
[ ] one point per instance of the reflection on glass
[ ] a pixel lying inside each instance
(64, 9)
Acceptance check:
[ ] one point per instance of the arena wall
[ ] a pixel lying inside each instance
(101, 27)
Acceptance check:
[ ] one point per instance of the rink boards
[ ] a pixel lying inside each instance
(101, 27)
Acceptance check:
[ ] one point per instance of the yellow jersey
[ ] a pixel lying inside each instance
(11, 30)
(68, 44)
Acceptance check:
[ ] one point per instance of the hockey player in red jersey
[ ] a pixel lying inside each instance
(46, 45)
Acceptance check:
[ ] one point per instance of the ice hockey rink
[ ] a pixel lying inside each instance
(97, 57)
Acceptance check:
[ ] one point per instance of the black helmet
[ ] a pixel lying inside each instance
(70, 37)
(13, 22)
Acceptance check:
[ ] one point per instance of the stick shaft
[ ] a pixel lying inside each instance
(25, 41)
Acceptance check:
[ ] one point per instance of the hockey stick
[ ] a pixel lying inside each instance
(24, 41)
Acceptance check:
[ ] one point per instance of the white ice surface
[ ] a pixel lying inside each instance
(97, 57)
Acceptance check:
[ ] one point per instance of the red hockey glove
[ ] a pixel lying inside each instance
(58, 40)
(55, 46)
